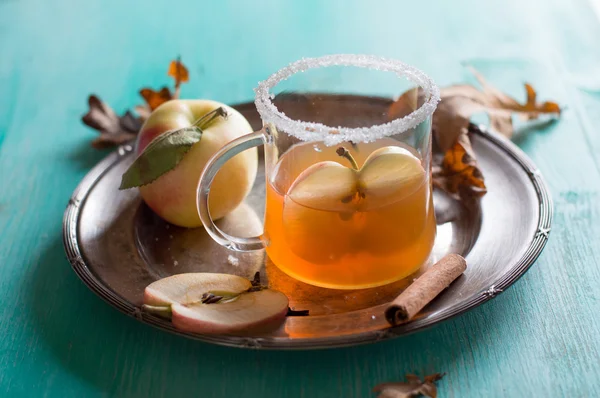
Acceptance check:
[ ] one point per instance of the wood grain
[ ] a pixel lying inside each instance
(540, 338)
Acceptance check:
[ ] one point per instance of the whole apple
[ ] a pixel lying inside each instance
(173, 195)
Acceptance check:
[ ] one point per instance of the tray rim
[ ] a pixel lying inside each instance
(78, 263)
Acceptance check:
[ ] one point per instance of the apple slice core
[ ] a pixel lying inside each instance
(189, 288)
(248, 310)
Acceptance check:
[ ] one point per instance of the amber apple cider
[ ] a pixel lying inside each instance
(378, 233)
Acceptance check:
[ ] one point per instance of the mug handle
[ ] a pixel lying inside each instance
(208, 175)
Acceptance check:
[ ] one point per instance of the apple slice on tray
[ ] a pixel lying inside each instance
(211, 303)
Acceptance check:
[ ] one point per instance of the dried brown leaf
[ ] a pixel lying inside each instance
(451, 120)
(449, 127)
(464, 101)
(114, 130)
(413, 387)
(501, 123)
(100, 116)
(154, 99)
(179, 72)
(546, 107)
(459, 173)
(412, 378)
(448, 120)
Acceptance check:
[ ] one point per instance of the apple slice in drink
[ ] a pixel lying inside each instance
(389, 175)
(329, 205)
(395, 199)
(312, 210)
(238, 310)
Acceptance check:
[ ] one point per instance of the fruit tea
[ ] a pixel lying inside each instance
(349, 206)
(351, 215)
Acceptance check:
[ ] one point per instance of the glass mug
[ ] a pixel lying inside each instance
(348, 175)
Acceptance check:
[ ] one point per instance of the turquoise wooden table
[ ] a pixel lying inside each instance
(540, 338)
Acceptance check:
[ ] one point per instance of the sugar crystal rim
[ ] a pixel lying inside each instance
(311, 131)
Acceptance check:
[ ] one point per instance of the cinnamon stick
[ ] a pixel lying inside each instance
(425, 288)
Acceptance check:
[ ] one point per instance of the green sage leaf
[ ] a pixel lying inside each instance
(163, 154)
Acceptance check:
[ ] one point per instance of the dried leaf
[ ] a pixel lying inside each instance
(154, 99)
(130, 122)
(114, 130)
(449, 126)
(100, 116)
(456, 170)
(459, 173)
(179, 72)
(413, 387)
(546, 107)
(501, 122)
(160, 156)
(450, 122)
(463, 101)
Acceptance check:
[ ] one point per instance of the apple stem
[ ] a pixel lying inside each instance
(163, 311)
(205, 120)
(343, 152)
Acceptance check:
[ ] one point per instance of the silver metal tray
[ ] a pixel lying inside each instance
(117, 246)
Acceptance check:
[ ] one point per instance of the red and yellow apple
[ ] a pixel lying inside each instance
(173, 195)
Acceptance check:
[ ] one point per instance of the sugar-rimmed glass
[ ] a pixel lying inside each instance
(349, 200)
